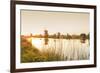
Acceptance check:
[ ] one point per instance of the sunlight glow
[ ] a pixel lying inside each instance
(37, 43)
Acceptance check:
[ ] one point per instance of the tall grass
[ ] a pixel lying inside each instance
(29, 53)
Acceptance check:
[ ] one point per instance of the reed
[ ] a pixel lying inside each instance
(29, 53)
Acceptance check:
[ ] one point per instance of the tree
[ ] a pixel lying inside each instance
(83, 37)
(58, 35)
(88, 36)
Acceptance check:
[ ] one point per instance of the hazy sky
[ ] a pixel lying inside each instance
(36, 22)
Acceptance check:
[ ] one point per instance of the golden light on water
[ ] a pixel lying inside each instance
(72, 49)
(37, 43)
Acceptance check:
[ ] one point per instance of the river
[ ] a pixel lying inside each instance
(73, 49)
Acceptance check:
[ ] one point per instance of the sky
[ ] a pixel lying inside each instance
(36, 22)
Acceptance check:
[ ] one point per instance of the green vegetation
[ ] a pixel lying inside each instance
(31, 54)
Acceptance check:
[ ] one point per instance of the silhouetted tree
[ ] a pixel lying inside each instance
(46, 33)
(68, 36)
(82, 37)
(46, 37)
(58, 35)
(88, 36)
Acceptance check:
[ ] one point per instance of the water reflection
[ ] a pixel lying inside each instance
(46, 37)
(46, 40)
(71, 49)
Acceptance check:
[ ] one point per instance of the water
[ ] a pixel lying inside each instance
(71, 49)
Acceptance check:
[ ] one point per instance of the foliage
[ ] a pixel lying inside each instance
(31, 54)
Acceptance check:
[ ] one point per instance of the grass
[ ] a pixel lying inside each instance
(29, 53)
